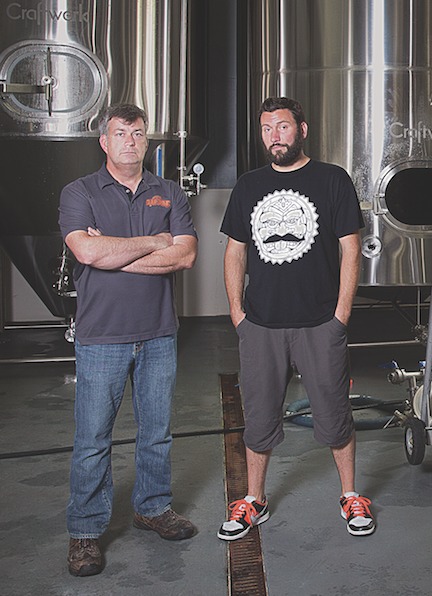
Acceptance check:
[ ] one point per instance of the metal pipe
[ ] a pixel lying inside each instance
(425, 405)
(182, 133)
(43, 359)
(389, 305)
(37, 359)
(379, 344)
(20, 326)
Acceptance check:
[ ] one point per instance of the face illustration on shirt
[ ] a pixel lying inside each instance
(284, 226)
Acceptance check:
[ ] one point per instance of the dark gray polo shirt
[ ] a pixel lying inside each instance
(115, 306)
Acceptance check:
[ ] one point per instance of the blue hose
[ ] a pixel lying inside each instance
(305, 418)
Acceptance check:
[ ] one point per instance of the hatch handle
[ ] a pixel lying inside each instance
(46, 88)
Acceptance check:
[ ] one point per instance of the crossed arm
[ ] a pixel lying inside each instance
(153, 255)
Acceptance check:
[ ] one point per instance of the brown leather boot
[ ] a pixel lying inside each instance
(169, 525)
(84, 557)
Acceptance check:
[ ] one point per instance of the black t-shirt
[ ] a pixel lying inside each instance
(292, 222)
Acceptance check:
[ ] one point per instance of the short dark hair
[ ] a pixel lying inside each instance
(283, 103)
(127, 112)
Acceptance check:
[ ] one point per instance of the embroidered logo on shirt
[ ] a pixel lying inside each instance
(284, 226)
(158, 201)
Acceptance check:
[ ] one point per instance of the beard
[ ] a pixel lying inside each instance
(288, 156)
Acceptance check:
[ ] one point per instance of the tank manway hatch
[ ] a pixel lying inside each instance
(49, 89)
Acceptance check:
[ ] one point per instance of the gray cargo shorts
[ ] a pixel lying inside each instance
(267, 358)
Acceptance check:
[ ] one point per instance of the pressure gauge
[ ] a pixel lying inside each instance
(198, 169)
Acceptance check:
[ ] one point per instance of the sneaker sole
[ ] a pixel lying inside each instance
(366, 532)
(261, 520)
(361, 532)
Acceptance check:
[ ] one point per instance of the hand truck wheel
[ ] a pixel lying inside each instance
(415, 441)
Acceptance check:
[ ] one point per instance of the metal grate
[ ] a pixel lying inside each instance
(246, 575)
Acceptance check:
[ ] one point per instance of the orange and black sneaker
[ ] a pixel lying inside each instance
(355, 509)
(245, 514)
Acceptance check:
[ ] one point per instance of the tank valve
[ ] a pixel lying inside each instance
(70, 332)
(399, 375)
(64, 282)
(191, 184)
(371, 246)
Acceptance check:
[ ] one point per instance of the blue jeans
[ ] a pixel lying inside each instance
(102, 373)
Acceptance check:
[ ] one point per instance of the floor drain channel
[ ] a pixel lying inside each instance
(246, 575)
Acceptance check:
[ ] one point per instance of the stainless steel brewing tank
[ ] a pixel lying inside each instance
(61, 63)
(362, 71)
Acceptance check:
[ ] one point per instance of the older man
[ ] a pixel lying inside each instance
(130, 231)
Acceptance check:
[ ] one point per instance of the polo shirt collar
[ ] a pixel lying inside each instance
(105, 178)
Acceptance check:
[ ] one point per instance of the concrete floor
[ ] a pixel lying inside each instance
(306, 548)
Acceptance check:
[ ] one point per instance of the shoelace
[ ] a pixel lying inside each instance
(88, 544)
(84, 547)
(242, 508)
(170, 518)
(357, 506)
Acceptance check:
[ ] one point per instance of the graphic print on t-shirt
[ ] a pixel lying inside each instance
(284, 226)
